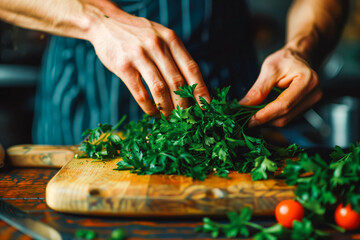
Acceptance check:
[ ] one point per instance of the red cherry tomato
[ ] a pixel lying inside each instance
(347, 218)
(288, 211)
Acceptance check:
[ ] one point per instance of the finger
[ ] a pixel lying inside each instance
(187, 66)
(305, 104)
(260, 90)
(133, 82)
(158, 87)
(288, 99)
(169, 71)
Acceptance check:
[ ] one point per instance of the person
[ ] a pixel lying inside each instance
(155, 47)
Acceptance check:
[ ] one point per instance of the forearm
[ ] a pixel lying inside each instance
(131, 47)
(70, 18)
(314, 27)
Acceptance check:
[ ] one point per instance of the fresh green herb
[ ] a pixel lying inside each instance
(199, 140)
(85, 234)
(211, 139)
(193, 142)
(320, 184)
(118, 234)
(330, 181)
(101, 142)
(106, 16)
(240, 226)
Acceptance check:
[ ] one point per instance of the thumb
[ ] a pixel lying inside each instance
(259, 91)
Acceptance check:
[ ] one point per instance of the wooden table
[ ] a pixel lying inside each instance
(25, 188)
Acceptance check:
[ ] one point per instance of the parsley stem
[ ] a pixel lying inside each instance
(118, 124)
(253, 225)
(112, 130)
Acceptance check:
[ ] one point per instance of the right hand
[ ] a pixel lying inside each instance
(132, 47)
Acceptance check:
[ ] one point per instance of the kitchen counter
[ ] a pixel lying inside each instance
(25, 188)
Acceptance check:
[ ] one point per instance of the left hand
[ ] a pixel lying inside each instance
(284, 69)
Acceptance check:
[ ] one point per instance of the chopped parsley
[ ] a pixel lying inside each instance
(193, 142)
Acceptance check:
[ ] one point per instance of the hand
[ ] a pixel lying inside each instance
(284, 69)
(133, 47)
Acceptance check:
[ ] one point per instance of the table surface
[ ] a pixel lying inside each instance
(25, 188)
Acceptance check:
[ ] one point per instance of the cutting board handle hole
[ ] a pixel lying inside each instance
(94, 192)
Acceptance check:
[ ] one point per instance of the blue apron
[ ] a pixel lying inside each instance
(77, 92)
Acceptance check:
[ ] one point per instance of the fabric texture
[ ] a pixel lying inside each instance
(77, 92)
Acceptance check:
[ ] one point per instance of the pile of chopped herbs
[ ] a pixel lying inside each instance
(193, 142)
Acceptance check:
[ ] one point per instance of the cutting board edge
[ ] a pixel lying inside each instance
(262, 206)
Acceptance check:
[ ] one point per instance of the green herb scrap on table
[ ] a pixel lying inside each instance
(211, 139)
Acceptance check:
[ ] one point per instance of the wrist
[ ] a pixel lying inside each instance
(304, 46)
(94, 14)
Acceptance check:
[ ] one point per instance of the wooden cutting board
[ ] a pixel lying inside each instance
(40, 155)
(85, 186)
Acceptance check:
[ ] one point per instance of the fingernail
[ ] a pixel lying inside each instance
(244, 101)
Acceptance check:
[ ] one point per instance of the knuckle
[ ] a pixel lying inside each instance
(177, 81)
(192, 68)
(282, 122)
(141, 97)
(201, 90)
(284, 107)
(170, 35)
(159, 88)
(308, 78)
(306, 75)
(154, 42)
(255, 92)
(145, 22)
(139, 52)
(124, 66)
(269, 64)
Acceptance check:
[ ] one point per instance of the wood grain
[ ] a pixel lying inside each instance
(86, 186)
(41, 155)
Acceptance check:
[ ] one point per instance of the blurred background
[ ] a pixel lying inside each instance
(334, 121)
